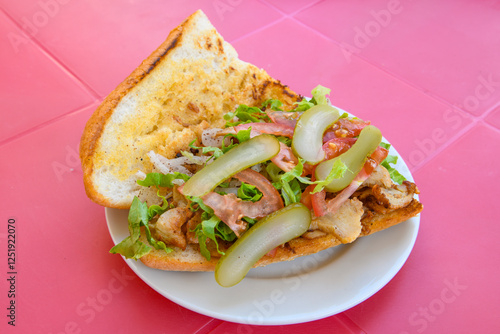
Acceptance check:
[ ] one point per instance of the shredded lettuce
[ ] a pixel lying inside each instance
(241, 136)
(245, 114)
(338, 170)
(396, 176)
(319, 97)
(385, 145)
(217, 152)
(211, 227)
(140, 215)
(273, 104)
(319, 94)
(304, 105)
(162, 180)
(131, 247)
(248, 192)
(290, 184)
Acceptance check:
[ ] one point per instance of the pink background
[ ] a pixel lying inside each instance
(426, 72)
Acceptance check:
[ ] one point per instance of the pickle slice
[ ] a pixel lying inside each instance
(368, 140)
(256, 150)
(268, 233)
(308, 134)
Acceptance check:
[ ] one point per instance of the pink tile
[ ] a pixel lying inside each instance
(290, 6)
(103, 41)
(415, 123)
(338, 324)
(494, 117)
(448, 48)
(450, 282)
(33, 88)
(67, 280)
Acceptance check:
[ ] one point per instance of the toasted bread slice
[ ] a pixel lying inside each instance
(182, 88)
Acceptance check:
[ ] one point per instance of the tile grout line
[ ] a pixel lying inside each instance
(475, 120)
(309, 5)
(454, 139)
(209, 326)
(283, 17)
(446, 145)
(253, 32)
(45, 124)
(350, 324)
(491, 126)
(76, 79)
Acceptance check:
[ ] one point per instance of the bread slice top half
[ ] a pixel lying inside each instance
(182, 88)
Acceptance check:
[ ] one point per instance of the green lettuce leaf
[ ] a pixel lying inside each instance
(241, 136)
(290, 184)
(248, 192)
(273, 104)
(338, 170)
(162, 180)
(319, 94)
(131, 247)
(211, 227)
(396, 176)
(303, 105)
(246, 114)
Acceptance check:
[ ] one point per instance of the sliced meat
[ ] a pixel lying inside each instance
(288, 118)
(168, 227)
(270, 128)
(285, 159)
(194, 221)
(395, 197)
(231, 209)
(178, 200)
(313, 234)
(345, 223)
(380, 176)
(228, 208)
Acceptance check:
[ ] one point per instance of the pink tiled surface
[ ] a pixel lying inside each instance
(426, 72)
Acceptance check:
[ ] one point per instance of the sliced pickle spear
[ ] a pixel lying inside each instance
(368, 140)
(256, 150)
(268, 233)
(307, 139)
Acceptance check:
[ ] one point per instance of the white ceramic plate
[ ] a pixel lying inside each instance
(306, 289)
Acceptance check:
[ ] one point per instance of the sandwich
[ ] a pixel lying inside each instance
(223, 168)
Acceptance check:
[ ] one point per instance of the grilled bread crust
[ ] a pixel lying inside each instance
(182, 88)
